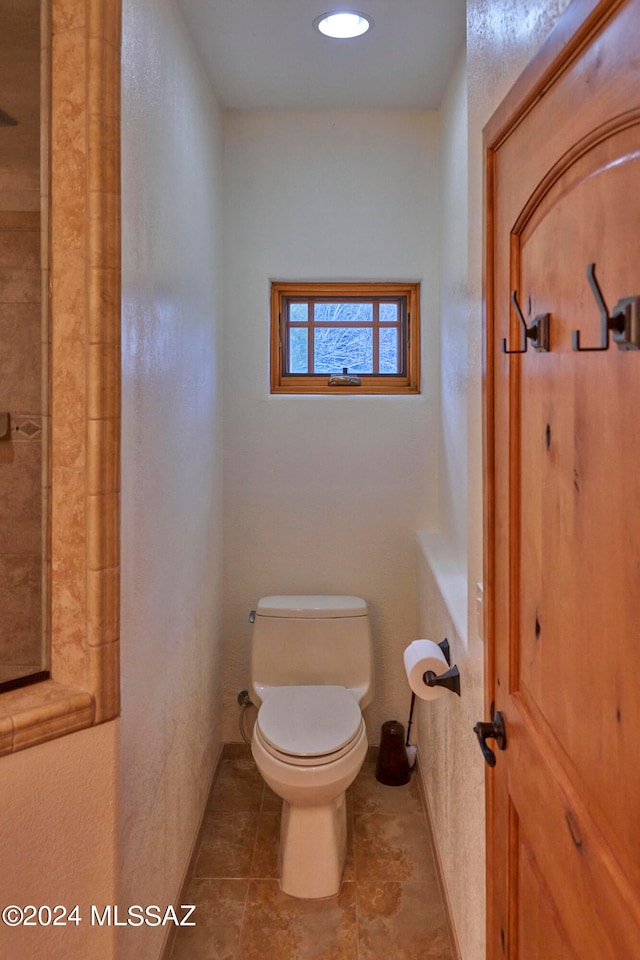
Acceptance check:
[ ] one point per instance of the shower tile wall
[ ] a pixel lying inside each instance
(21, 471)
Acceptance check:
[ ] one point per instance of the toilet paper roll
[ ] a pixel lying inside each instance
(420, 656)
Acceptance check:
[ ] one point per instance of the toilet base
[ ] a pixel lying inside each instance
(313, 849)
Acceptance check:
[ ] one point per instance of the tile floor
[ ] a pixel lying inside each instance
(389, 907)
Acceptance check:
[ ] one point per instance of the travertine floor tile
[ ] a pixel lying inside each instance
(226, 845)
(403, 921)
(238, 787)
(218, 917)
(392, 847)
(389, 906)
(278, 927)
(349, 872)
(265, 855)
(271, 801)
(370, 796)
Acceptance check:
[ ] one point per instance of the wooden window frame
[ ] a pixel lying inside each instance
(407, 382)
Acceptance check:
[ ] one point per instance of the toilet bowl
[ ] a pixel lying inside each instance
(309, 744)
(309, 740)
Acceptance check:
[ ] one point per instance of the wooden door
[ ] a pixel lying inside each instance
(562, 452)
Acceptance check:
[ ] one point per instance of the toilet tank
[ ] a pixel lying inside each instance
(310, 641)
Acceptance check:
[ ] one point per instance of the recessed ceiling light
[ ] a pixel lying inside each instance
(343, 24)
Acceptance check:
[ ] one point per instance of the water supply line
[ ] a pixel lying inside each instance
(244, 702)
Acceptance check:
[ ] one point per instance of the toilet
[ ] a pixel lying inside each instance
(311, 675)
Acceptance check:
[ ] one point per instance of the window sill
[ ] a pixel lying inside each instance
(42, 712)
(302, 386)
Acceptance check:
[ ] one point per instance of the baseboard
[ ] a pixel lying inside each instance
(186, 877)
(455, 946)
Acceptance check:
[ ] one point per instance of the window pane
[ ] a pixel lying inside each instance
(388, 313)
(298, 350)
(340, 347)
(343, 312)
(388, 350)
(298, 312)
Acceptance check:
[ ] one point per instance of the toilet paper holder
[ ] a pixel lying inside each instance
(450, 679)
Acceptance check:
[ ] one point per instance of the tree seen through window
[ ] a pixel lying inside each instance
(344, 335)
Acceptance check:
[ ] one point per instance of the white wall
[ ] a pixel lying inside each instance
(57, 841)
(324, 494)
(501, 38)
(171, 457)
(451, 766)
(454, 307)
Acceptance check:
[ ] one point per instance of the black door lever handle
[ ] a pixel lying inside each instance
(491, 731)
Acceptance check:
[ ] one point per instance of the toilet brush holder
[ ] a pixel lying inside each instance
(392, 767)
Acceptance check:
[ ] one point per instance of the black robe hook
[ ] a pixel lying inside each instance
(623, 324)
(538, 332)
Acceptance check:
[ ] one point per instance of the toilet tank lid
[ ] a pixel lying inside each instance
(311, 607)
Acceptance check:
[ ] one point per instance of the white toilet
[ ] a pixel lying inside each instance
(311, 673)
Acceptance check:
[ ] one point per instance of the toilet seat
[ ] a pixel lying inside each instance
(309, 725)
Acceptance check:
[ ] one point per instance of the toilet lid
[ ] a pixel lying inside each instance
(310, 721)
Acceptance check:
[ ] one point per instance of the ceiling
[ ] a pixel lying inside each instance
(265, 54)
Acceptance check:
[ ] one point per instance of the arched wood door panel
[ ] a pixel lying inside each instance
(563, 511)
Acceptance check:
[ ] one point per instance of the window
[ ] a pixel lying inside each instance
(345, 338)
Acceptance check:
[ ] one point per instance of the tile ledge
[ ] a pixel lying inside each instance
(451, 581)
(42, 712)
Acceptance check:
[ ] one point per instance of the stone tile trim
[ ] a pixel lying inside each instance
(35, 714)
(84, 262)
(25, 428)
